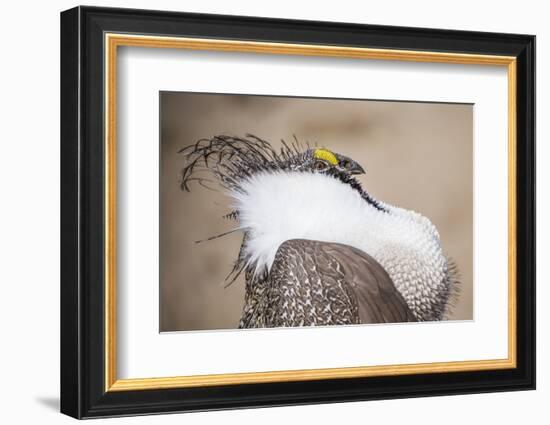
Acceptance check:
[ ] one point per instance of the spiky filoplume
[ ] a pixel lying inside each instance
(280, 200)
(232, 159)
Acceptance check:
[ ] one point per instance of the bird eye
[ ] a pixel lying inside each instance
(320, 165)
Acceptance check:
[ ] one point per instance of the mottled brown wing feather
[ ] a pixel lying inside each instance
(321, 283)
(378, 299)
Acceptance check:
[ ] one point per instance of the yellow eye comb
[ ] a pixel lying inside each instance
(325, 155)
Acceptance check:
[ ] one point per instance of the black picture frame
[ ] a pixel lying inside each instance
(83, 392)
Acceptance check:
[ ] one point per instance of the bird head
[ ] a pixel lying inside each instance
(322, 160)
(234, 160)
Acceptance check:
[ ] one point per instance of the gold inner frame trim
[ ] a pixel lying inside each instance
(113, 41)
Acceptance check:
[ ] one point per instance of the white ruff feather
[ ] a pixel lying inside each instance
(277, 206)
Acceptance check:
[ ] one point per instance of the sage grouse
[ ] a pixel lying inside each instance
(317, 249)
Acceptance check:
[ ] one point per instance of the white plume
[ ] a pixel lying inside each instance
(281, 205)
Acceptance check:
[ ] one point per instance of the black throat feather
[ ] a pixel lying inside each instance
(346, 178)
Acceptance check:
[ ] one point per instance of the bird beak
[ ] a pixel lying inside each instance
(356, 169)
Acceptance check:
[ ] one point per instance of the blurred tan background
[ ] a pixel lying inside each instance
(417, 156)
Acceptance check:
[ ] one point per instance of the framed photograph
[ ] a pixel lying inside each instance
(261, 212)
